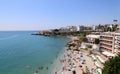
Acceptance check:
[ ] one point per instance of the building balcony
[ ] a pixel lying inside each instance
(106, 39)
(106, 47)
(106, 36)
(117, 37)
(117, 42)
(117, 46)
(102, 48)
(106, 43)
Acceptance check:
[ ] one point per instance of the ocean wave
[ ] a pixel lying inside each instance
(10, 37)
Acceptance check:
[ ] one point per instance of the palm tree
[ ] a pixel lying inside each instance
(109, 29)
(115, 27)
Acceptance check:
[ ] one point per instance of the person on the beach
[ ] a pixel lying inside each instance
(80, 66)
(62, 72)
(74, 72)
(28, 67)
(55, 72)
(46, 68)
(51, 62)
(83, 71)
(36, 72)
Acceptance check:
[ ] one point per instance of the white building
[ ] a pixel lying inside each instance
(78, 28)
(110, 42)
(93, 27)
(72, 28)
(118, 27)
(91, 38)
(117, 43)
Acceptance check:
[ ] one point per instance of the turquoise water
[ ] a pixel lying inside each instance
(20, 49)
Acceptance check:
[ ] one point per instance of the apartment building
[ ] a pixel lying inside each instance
(117, 43)
(110, 41)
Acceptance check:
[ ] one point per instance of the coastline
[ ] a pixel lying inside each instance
(42, 53)
(57, 65)
(72, 60)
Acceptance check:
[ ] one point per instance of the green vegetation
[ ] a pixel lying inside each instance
(89, 46)
(115, 27)
(109, 29)
(83, 39)
(106, 28)
(112, 66)
(97, 41)
(85, 48)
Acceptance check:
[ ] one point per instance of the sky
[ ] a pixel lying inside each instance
(50, 14)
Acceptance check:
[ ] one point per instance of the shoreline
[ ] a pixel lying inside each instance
(57, 65)
(74, 60)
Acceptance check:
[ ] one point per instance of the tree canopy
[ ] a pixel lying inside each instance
(112, 66)
(84, 39)
(97, 41)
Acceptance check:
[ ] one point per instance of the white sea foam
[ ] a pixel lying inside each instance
(10, 37)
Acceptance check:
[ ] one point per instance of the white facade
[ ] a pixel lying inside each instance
(110, 41)
(78, 28)
(72, 28)
(118, 27)
(117, 42)
(91, 38)
(93, 27)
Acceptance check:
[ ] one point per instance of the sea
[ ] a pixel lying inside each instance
(23, 53)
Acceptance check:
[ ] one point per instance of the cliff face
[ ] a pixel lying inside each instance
(59, 33)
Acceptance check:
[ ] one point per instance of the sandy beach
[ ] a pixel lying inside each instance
(74, 61)
(60, 65)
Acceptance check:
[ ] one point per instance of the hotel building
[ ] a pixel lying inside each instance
(110, 42)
